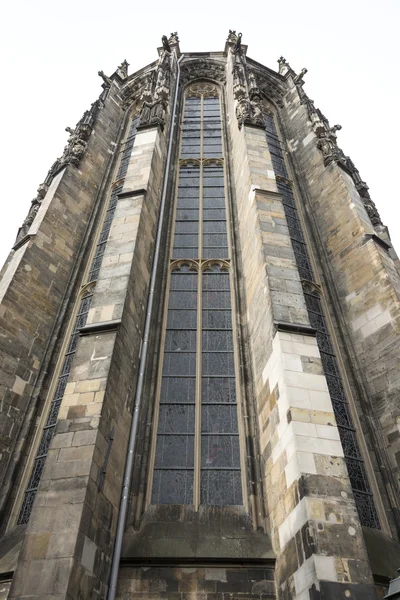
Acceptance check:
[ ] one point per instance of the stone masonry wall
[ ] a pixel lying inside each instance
(197, 582)
(307, 491)
(69, 541)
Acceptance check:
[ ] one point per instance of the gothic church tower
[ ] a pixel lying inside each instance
(200, 350)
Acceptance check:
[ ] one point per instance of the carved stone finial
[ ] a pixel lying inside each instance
(122, 69)
(237, 49)
(232, 37)
(69, 130)
(165, 43)
(104, 77)
(283, 65)
(173, 38)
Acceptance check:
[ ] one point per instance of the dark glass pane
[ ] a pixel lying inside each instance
(218, 363)
(366, 510)
(317, 321)
(186, 203)
(329, 364)
(180, 341)
(217, 341)
(349, 443)
(324, 342)
(178, 389)
(215, 240)
(175, 418)
(44, 445)
(182, 319)
(215, 299)
(222, 488)
(184, 253)
(313, 303)
(180, 299)
(335, 387)
(214, 214)
(215, 252)
(172, 487)
(216, 281)
(218, 389)
(185, 241)
(219, 419)
(175, 451)
(214, 227)
(357, 475)
(179, 363)
(186, 227)
(183, 281)
(186, 214)
(220, 451)
(214, 203)
(188, 192)
(342, 414)
(217, 319)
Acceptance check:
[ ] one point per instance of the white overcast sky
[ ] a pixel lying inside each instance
(50, 53)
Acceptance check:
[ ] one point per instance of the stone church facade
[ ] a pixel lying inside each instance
(200, 350)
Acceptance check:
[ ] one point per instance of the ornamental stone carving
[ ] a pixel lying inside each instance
(331, 152)
(122, 69)
(72, 154)
(107, 80)
(173, 38)
(200, 68)
(232, 37)
(156, 91)
(23, 230)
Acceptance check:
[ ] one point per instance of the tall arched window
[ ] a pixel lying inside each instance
(197, 456)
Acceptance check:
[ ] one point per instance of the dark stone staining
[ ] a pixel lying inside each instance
(202, 582)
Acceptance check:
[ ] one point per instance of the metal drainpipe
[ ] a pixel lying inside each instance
(142, 366)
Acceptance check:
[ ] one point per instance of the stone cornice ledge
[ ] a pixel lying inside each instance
(95, 328)
(23, 241)
(132, 193)
(268, 193)
(375, 238)
(298, 328)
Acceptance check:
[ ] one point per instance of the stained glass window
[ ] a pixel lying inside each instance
(355, 465)
(197, 451)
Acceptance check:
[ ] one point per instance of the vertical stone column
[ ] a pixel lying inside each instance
(68, 546)
(364, 283)
(311, 512)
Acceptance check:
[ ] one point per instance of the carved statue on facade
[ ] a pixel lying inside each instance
(372, 211)
(232, 37)
(242, 111)
(237, 49)
(152, 113)
(165, 43)
(163, 80)
(298, 79)
(239, 81)
(23, 231)
(107, 80)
